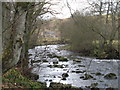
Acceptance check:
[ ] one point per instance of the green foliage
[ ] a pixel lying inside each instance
(14, 78)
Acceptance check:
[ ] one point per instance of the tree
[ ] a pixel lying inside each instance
(101, 22)
(109, 10)
(16, 35)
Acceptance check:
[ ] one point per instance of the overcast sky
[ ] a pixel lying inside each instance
(61, 6)
(63, 10)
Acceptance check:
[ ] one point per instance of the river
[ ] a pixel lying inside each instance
(50, 68)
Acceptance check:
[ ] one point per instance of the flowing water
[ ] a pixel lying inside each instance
(76, 67)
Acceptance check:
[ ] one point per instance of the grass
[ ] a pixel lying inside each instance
(14, 79)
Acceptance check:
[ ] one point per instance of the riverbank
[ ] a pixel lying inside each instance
(14, 79)
(98, 53)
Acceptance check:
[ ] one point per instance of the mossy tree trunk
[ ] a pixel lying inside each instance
(14, 33)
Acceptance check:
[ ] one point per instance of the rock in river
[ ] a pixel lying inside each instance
(86, 77)
(77, 60)
(98, 73)
(55, 60)
(65, 75)
(63, 59)
(110, 76)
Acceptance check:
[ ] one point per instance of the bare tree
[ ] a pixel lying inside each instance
(19, 24)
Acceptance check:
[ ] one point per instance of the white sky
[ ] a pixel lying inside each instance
(62, 9)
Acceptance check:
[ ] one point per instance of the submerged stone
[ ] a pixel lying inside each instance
(77, 60)
(55, 62)
(65, 69)
(53, 66)
(86, 77)
(110, 76)
(54, 56)
(82, 77)
(45, 61)
(93, 85)
(73, 71)
(81, 65)
(64, 78)
(35, 61)
(49, 55)
(110, 88)
(50, 80)
(98, 73)
(78, 71)
(94, 78)
(46, 80)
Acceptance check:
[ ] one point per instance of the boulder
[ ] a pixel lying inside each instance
(110, 76)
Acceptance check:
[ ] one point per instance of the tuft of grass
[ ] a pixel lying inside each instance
(14, 79)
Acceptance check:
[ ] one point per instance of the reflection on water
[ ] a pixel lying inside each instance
(50, 69)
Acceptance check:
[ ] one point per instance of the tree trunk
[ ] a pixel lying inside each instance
(28, 27)
(119, 30)
(15, 40)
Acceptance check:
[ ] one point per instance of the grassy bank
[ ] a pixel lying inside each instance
(14, 79)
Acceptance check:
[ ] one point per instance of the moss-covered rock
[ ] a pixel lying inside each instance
(14, 79)
(59, 86)
(57, 66)
(98, 73)
(77, 60)
(110, 76)
(63, 59)
(93, 85)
